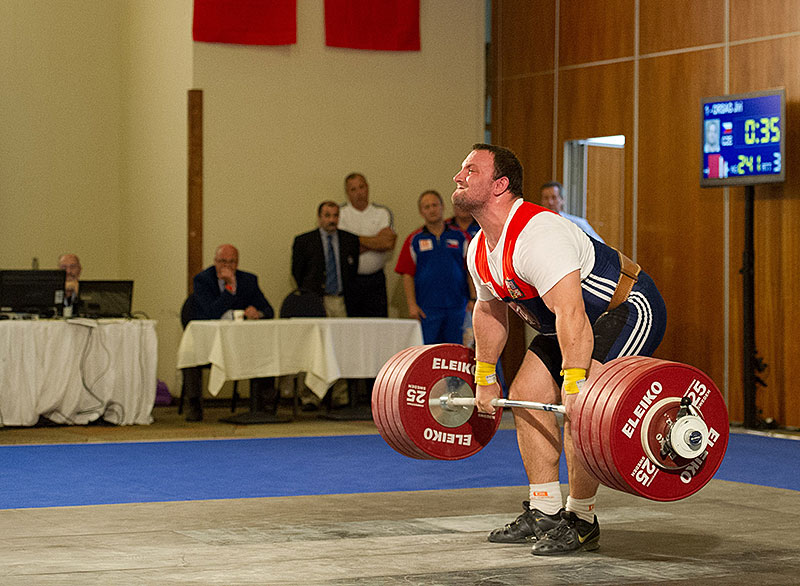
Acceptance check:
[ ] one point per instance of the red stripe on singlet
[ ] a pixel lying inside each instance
(521, 289)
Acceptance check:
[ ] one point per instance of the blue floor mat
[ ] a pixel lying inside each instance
(92, 474)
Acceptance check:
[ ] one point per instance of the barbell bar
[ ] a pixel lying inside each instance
(451, 401)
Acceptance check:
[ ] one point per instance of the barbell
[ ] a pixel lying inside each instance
(650, 427)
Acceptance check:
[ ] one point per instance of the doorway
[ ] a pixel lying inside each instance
(594, 184)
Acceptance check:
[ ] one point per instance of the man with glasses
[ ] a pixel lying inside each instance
(223, 288)
(219, 290)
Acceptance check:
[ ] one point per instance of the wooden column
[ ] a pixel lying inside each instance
(194, 198)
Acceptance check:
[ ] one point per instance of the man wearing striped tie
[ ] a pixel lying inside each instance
(325, 261)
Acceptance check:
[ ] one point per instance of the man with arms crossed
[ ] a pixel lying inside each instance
(588, 302)
(373, 225)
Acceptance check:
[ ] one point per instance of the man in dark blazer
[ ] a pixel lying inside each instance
(325, 261)
(219, 290)
(222, 288)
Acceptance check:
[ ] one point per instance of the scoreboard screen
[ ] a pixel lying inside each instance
(743, 139)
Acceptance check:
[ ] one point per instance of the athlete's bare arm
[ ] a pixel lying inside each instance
(490, 325)
(573, 329)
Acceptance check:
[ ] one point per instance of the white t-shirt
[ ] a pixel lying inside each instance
(368, 222)
(548, 248)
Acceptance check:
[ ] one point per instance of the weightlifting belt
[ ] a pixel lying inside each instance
(628, 275)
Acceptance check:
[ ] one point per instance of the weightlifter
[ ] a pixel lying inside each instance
(588, 303)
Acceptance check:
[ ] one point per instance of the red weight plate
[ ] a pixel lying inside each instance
(378, 397)
(607, 432)
(661, 380)
(581, 422)
(433, 438)
(393, 433)
(614, 370)
(611, 435)
(395, 390)
(624, 373)
(410, 393)
(388, 392)
(393, 399)
(586, 413)
(590, 418)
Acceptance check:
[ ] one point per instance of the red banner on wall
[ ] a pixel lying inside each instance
(379, 25)
(245, 22)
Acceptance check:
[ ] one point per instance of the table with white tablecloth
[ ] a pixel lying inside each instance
(77, 371)
(326, 349)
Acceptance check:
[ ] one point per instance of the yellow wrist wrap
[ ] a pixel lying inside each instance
(485, 373)
(573, 380)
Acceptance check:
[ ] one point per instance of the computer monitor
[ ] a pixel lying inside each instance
(105, 298)
(28, 291)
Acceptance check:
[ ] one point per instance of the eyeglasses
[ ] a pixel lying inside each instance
(226, 261)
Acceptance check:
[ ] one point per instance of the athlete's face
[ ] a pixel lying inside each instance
(475, 181)
(430, 208)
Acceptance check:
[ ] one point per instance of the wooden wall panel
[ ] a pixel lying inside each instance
(658, 30)
(680, 224)
(752, 19)
(527, 111)
(777, 236)
(680, 232)
(528, 33)
(595, 31)
(598, 101)
(605, 185)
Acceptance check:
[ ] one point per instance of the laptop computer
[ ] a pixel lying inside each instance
(105, 298)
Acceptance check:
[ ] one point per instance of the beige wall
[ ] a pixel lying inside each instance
(285, 125)
(157, 74)
(94, 158)
(60, 104)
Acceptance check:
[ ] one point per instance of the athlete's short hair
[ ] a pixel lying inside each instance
(506, 164)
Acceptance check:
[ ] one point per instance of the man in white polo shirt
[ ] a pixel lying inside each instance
(373, 225)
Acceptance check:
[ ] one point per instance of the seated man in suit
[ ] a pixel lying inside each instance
(218, 291)
(325, 261)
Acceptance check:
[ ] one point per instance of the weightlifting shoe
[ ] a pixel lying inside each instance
(570, 535)
(529, 526)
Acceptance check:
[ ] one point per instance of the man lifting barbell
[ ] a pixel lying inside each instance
(588, 303)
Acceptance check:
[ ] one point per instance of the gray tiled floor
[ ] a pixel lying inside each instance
(726, 534)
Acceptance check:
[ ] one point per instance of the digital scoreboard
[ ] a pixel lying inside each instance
(743, 139)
